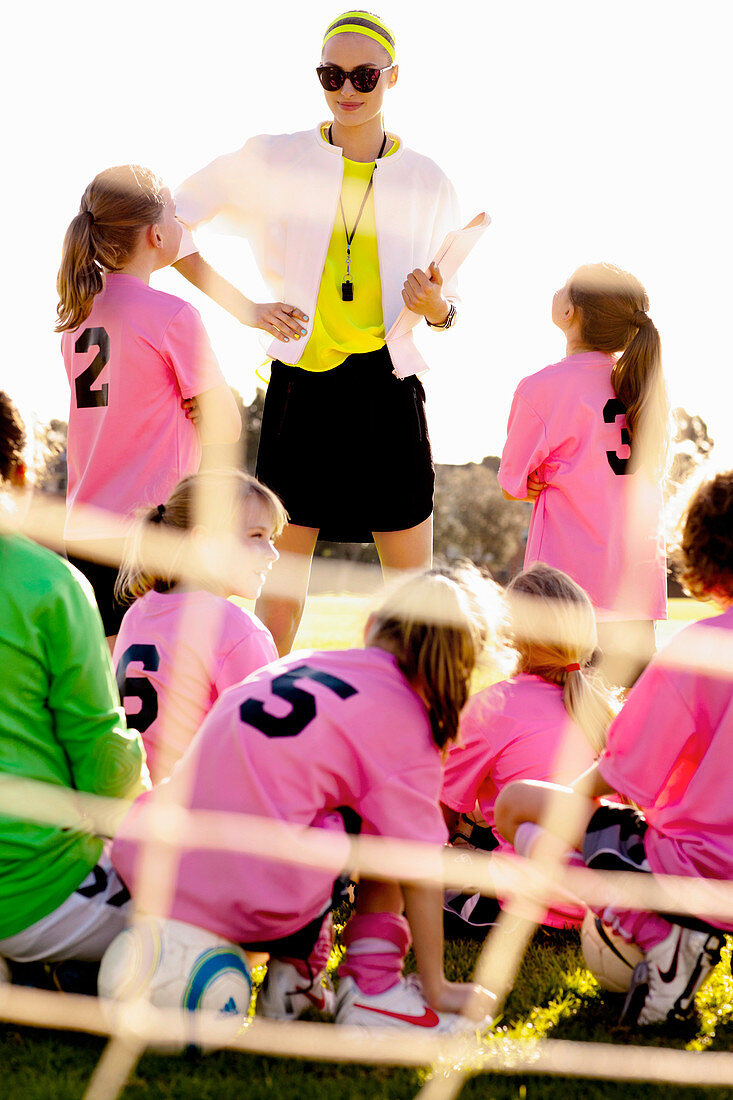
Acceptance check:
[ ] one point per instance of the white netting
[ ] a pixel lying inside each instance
(526, 888)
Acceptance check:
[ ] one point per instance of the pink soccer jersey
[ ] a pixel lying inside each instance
(312, 733)
(128, 365)
(517, 729)
(175, 654)
(670, 748)
(596, 520)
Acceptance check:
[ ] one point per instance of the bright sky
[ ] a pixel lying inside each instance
(588, 130)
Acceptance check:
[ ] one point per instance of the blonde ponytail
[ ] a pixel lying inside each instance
(590, 704)
(437, 626)
(613, 311)
(552, 628)
(115, 208)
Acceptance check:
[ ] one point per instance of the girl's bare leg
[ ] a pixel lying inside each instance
(559, 810)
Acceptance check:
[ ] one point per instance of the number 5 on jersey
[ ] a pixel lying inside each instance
(303, 704)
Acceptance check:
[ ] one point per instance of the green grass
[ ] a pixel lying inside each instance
(553, 997)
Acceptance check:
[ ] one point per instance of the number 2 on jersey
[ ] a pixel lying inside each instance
(611, 411)
(86, 396)
(302, 702)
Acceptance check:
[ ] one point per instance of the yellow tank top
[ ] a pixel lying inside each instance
(343, 328)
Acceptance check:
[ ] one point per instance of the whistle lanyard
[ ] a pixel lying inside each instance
(347, 287)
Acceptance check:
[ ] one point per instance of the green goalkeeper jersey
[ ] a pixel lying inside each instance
(60, 723)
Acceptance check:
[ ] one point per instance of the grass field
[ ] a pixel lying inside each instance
(553, 997)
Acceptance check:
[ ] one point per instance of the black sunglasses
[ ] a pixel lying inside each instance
(364, 78)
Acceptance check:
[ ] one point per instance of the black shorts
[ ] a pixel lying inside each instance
(347, 450)
(298, 945)
(614, 840)
(102, 579)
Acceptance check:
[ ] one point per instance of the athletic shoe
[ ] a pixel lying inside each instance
(664, 985)
(289, 989)
(403, 1006)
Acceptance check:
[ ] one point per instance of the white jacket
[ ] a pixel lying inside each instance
(281, 192)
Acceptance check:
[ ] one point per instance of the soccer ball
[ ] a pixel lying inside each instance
(610, 959)
(177, 965)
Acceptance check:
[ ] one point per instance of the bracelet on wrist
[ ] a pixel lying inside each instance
(449, 320)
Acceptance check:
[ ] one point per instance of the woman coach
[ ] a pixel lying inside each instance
(342, 220)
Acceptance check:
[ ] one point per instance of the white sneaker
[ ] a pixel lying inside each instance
(664, 985)
(402, 1006)
(286, 992)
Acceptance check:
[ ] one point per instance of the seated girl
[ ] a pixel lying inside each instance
(548, 721)
(182, 643)
(359, 731)
(669, 751)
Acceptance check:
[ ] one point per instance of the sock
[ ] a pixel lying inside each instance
(644, 929)
(376, 945)
(525, 837)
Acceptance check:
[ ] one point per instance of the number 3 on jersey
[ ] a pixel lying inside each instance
(86, 396)
(611, 411)
(303, 704)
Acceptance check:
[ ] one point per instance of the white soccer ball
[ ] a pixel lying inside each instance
(177, 965)
(610, 959)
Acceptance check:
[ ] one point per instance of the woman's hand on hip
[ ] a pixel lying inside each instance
(423, 293)
(279, 319)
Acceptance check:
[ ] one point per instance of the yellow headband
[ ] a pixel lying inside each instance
(362, 22)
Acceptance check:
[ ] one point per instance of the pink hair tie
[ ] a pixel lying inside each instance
(572, 668)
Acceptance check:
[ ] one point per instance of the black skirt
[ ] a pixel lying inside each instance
(347, 450)
(102, 579)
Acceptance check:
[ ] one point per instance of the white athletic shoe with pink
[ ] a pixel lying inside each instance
(403, 1006)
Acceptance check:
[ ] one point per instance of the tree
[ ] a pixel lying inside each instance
(50, 474)
(691, 446)
(251, 427)
(473, 520)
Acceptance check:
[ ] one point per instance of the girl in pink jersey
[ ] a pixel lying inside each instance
(669, 751)
(132, 355)
(183, 643)
(586, 444)
(318, 734)
(548, 721)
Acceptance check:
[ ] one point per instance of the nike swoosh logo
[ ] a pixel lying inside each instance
(318, 1000)
(428, 1018)
(669, 975)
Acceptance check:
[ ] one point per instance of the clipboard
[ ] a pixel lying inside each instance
(453, 251)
